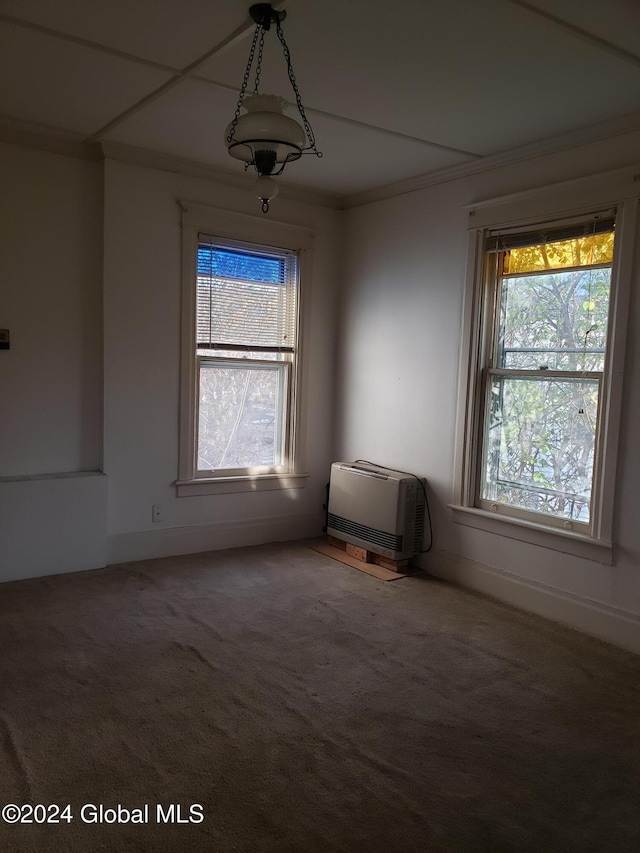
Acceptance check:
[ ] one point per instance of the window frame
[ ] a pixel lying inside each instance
(479, 324)
(244, 232)
(285, 427)
(494, 283)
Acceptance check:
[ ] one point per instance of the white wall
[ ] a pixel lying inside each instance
(401, 335)
(90, 278)
(51, 524)
(50, 280)
(142, 346)
(52, 511)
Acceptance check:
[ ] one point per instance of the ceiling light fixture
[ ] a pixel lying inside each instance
(264, 137)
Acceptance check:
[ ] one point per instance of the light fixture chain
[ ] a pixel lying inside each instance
(245, 82)
(294, 85)
(259, 62)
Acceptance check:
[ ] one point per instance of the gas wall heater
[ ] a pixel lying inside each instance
(377, 509)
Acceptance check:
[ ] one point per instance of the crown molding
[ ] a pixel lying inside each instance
(74, 145)
(49, 139)
(620, 126)
(68, 144)
(625, 179)
(194, 169)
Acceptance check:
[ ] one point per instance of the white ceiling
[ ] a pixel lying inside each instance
(392, 90)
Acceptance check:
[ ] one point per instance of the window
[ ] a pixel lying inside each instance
(544, 374)
(246, 323)
(240, 401)
(545, 323)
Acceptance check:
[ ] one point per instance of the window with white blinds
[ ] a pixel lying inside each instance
(245, 325)
(242, 412)
(246, 300)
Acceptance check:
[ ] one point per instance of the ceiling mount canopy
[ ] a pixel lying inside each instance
(263, 136)
(264, 14)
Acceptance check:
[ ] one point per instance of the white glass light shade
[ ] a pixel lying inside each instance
(264, 127)
(266, 188)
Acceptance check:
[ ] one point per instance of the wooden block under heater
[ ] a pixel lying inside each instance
(394, 565)
(359, 553)
(337, 543)
(366, 556)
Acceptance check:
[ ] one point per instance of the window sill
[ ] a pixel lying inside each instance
(245, 483)
(565, 541)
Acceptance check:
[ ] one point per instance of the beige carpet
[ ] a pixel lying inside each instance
(309, 707)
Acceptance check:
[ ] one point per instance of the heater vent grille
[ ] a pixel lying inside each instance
(419, 526)
(361, 531)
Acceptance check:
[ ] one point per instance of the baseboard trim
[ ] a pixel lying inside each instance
(172, 541)
(598, 620)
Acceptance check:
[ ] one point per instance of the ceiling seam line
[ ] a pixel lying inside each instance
(91, 45)
(188, 71)
(610, 47)
(353, 121)
(374, 127)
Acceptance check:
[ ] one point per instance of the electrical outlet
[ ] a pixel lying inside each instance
(156, 513)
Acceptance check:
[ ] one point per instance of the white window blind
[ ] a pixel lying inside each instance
(246, 300)
(506, 239)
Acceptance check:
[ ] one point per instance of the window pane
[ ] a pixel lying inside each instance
(245, 298)
(245, 312)
(217, 262)
(596, 249)
(540, 444)
(556, 320)
(240, 414)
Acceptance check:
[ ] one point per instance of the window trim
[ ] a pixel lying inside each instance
(228, 227)
(477, 327)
